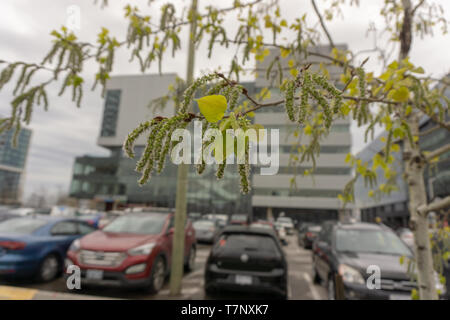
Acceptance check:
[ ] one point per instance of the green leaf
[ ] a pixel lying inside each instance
(213, 107)
(400, 95)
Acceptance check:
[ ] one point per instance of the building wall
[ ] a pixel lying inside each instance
(315, 197)
(12, 165)
(127, 105)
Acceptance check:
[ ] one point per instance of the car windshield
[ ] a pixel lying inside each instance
(21, 225)
(247, 242)
(314, 229)
(370, 241)
(239, 217)
(139, 224)
(261, 225)
(204, 224)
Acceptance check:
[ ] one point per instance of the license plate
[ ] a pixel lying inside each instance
(94, 274)
(399, 297)
(243, 280)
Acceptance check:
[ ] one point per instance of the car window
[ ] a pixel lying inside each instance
(138, 224)
(84, 228)
(246, 242)
(370, 241)
(65, 228)
(205, 224)
(21, 225)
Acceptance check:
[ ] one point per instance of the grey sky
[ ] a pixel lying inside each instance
(65, 131)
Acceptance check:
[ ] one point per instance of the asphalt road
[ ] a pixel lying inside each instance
(300, 282)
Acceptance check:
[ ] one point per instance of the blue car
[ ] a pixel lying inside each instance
(36, 246)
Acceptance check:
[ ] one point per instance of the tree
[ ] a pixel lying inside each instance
(395, 99)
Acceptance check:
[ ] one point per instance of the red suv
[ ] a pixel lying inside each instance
(134, 250)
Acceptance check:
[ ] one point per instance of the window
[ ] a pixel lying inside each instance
(323, 149)
(85, 229)
(21, 225)
(110, 114)
(65, 228)
(287, 192)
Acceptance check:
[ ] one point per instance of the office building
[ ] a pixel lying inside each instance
(316, 197)
(12, 166)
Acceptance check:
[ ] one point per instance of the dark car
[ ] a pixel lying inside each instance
(239, 220)
(206, 230)
(349, 249)
(307, 234)
(36, 246)
(246, 259)
(134, 250)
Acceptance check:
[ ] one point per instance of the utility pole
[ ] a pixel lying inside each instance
(176, 273)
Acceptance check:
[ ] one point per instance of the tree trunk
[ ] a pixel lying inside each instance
(414, 166)
(176, 273)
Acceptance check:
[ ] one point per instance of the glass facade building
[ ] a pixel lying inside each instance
(12, 165)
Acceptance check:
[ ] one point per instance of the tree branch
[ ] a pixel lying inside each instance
(438, 127)
(436, 153)
(444, 203)
(322, 23)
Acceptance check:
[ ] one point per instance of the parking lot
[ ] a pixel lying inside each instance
(300, 282)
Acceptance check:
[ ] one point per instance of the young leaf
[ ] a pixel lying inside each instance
(213, 107)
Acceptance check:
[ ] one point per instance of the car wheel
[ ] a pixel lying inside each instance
(158, 275)
(190, 264)
(331, 288)
(49, 268)
(316, 277)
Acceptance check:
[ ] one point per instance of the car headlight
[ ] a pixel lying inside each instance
(143, 250)
(350, 275)
(75, 246)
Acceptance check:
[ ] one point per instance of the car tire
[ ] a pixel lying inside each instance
(190, 263)
(331, 288)
(49, 268)
(316, 277)
(157, 275)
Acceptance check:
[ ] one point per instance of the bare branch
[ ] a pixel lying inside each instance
(322, 23)
(429, 131)
(436, 153)
(444, 203)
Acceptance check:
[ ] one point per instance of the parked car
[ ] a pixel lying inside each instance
(37, 246)
(407, 236)
(349, 249)
(263, 224)
(307, 234)
(239, 219)
(92, 219)
(134, 250)
(247, 260)
(206, 230)
(108, 217)
(5, 215)
(286, 223)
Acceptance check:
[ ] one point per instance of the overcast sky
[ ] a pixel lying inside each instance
(65, 132)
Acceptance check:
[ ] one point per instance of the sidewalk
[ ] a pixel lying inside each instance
(13, 293)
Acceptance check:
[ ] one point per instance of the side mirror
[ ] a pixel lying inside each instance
(170, 231)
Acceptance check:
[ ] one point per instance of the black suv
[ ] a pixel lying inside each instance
(247, 259)
(353, 250)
